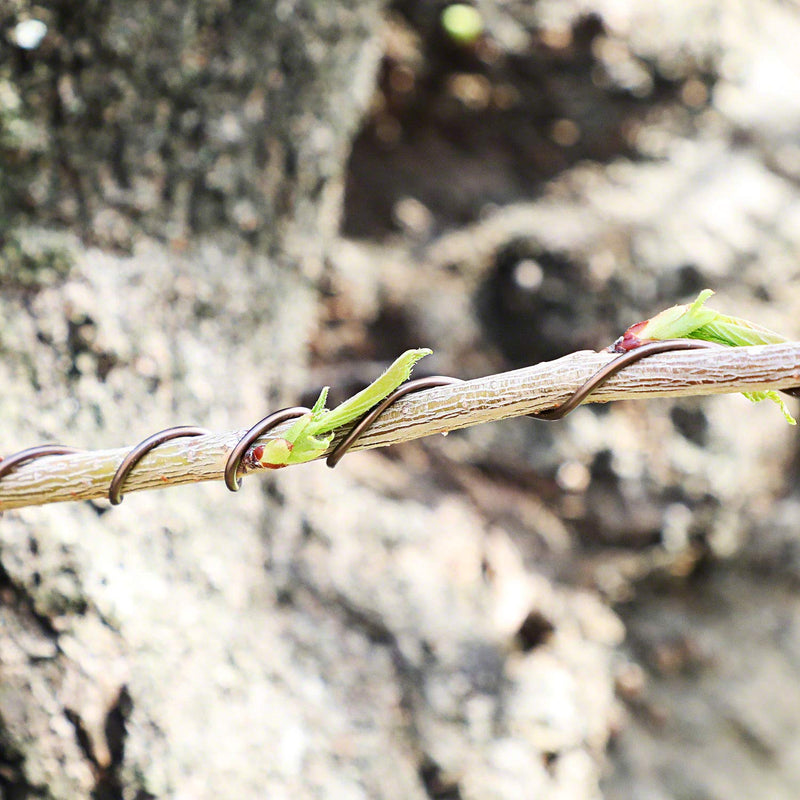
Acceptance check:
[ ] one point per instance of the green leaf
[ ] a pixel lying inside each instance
(360, 403)
(756, 397)
(463, 23)
(695, 321)
(311, 435)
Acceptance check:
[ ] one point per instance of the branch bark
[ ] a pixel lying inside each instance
(85, 476)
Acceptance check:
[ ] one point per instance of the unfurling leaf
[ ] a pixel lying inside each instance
(311, 435)
(695, 321)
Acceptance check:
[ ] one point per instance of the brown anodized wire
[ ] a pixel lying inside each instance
(137, 453)
(272, 420)
(259, 429)
(11, 462)
(622, 361)
(579, 396)
(361, 426)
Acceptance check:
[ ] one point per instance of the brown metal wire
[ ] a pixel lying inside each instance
(258, 430)
(578, 397)
(233, 463)
(139, 451)
(613, 367)
(369, 418)
(30, 454)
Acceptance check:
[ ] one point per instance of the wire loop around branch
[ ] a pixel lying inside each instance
(259, 429)
(15, 460)
(371, 416)
(139, 451)
(236, 455)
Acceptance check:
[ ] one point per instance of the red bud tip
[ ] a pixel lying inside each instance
(630, 339)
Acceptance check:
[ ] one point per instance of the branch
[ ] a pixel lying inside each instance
(85, 476)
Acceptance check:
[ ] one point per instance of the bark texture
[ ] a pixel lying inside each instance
(441, 620)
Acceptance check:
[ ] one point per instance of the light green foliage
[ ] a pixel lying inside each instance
(695, 321)
(463, 23)
(311, 435)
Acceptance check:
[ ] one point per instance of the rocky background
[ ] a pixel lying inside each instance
(209, 210)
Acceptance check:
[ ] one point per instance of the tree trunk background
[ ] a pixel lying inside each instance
(211, 209)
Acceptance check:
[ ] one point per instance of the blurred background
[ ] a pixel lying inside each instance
(211, 209)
